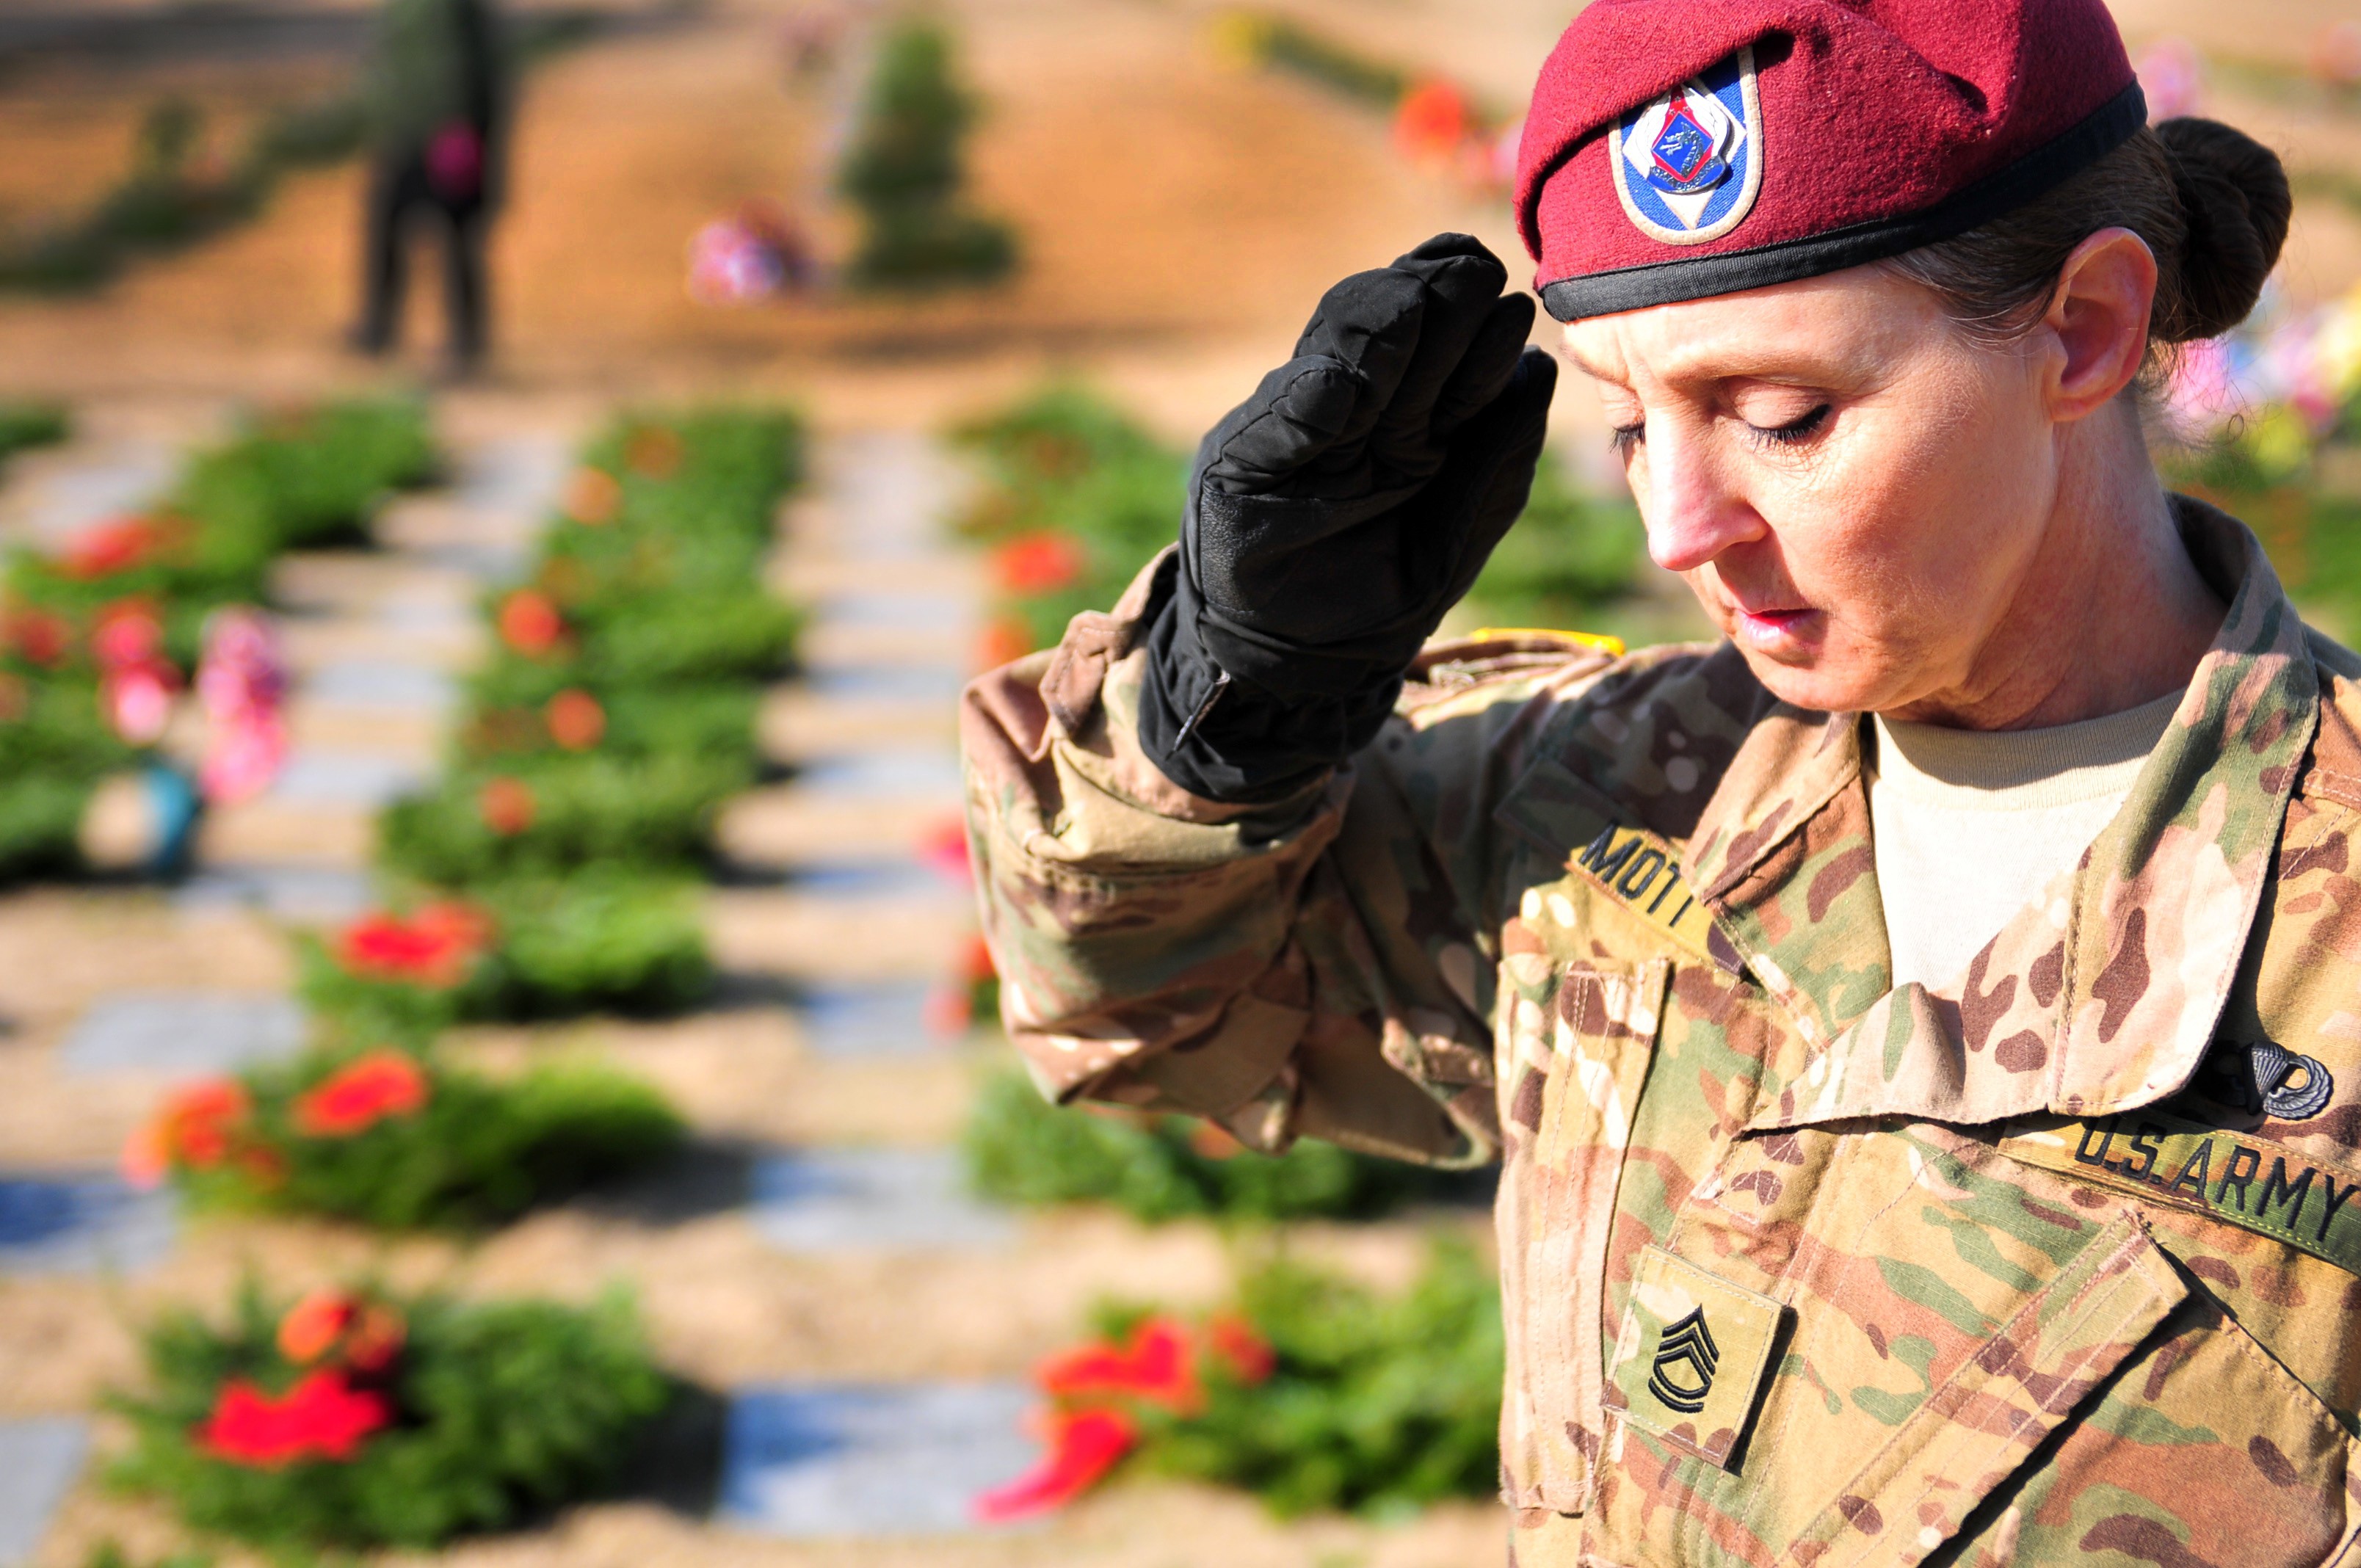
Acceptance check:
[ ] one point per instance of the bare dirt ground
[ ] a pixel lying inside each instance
(1178, 217)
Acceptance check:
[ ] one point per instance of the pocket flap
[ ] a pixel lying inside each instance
(1976, 1428)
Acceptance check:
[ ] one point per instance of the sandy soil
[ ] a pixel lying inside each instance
(1180, 217)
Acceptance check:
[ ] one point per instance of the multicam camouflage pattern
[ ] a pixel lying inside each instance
(1984, 1352)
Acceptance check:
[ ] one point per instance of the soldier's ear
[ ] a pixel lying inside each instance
(2096, 329)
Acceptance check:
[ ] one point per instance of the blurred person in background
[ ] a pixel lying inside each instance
(438, 87)
(1918, 1028)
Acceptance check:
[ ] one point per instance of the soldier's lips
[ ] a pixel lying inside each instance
(1779, 631)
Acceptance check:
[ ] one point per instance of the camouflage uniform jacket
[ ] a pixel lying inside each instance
(2055, 1263)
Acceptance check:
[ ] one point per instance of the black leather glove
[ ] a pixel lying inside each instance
(1336, 515)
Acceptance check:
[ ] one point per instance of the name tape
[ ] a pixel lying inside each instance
(1640, 872)
(2254, 1183)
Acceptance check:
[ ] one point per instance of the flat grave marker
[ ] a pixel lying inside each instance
(834, 1460)
(381, 684)
(850, 1201)
(888, 1020)
(302, 893)
(40, 1458)
(899, 774)
(79, 1222)
(358, 779)
(187, 1032)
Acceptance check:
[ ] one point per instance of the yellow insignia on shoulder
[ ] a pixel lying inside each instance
(1612, 646)
(1641, 872)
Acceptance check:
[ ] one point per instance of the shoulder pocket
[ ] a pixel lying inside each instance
(1574, 1046)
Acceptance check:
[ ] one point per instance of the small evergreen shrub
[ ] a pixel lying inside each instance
(393, 1139)
(1374, 1403)
(1021, 1149)
(1314, 1393)
(358, 1418)
(905, 171)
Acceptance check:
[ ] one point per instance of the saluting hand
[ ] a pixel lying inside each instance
(1337, 513)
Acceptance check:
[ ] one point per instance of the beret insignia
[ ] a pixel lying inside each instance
(1687, 166)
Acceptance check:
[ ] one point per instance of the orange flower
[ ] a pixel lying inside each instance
(1004, 641)
(366, 1335)
(1038, 564)
(115, 546)
(198, 1126)
(506, 806)
(360, 1095)
(654, 451)
(529, 622)
(576, 720)
(323, 1417)
(1245, 1354)
(593, 497)
(435, 947)
(1431, 121)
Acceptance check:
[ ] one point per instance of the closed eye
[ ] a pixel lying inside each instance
(1625, 437)
(1795, 432)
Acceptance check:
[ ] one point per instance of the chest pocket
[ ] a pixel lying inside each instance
(1573, 1044)
(1986, 1364)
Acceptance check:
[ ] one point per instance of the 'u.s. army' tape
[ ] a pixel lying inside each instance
(1642, 872)
(2254, 1183)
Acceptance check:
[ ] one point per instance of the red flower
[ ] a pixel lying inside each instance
(506, 806)
(529, 622)
(576, 720)
(976, 964)
(1431, 121)
(361, 1093)
(112, 547)
(365, 1335)
(1153, 1367)
(323, 1417)
(1244, 1354)
(1038, 564)
(198, 1126)
(944, 847)
(38, 636)
(1083, 1446)
(435, 947)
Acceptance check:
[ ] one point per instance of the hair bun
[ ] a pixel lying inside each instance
(2233, 195)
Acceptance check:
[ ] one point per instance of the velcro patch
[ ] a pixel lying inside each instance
(2256, 1184)
(1689, 1359)
(1641, 872)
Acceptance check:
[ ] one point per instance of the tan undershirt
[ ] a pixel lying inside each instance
(1969, 825)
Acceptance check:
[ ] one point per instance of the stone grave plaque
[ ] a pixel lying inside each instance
(382, 684)
(890, 686)
(827, 1200)
(884, 1020)
(357, 779)
(79, 1222)
(40, 1458)
(908, 774)
(891, 879)
(913, 611)
(307, 894)
(190, 1033)
(819, 1460)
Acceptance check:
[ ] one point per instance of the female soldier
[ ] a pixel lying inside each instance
(1922, 1030)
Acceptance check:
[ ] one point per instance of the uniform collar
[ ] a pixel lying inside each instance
(2099, 996)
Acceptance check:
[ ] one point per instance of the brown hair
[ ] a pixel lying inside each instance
(2211, 202)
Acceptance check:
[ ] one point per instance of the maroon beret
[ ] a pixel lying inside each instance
(1681, 148)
